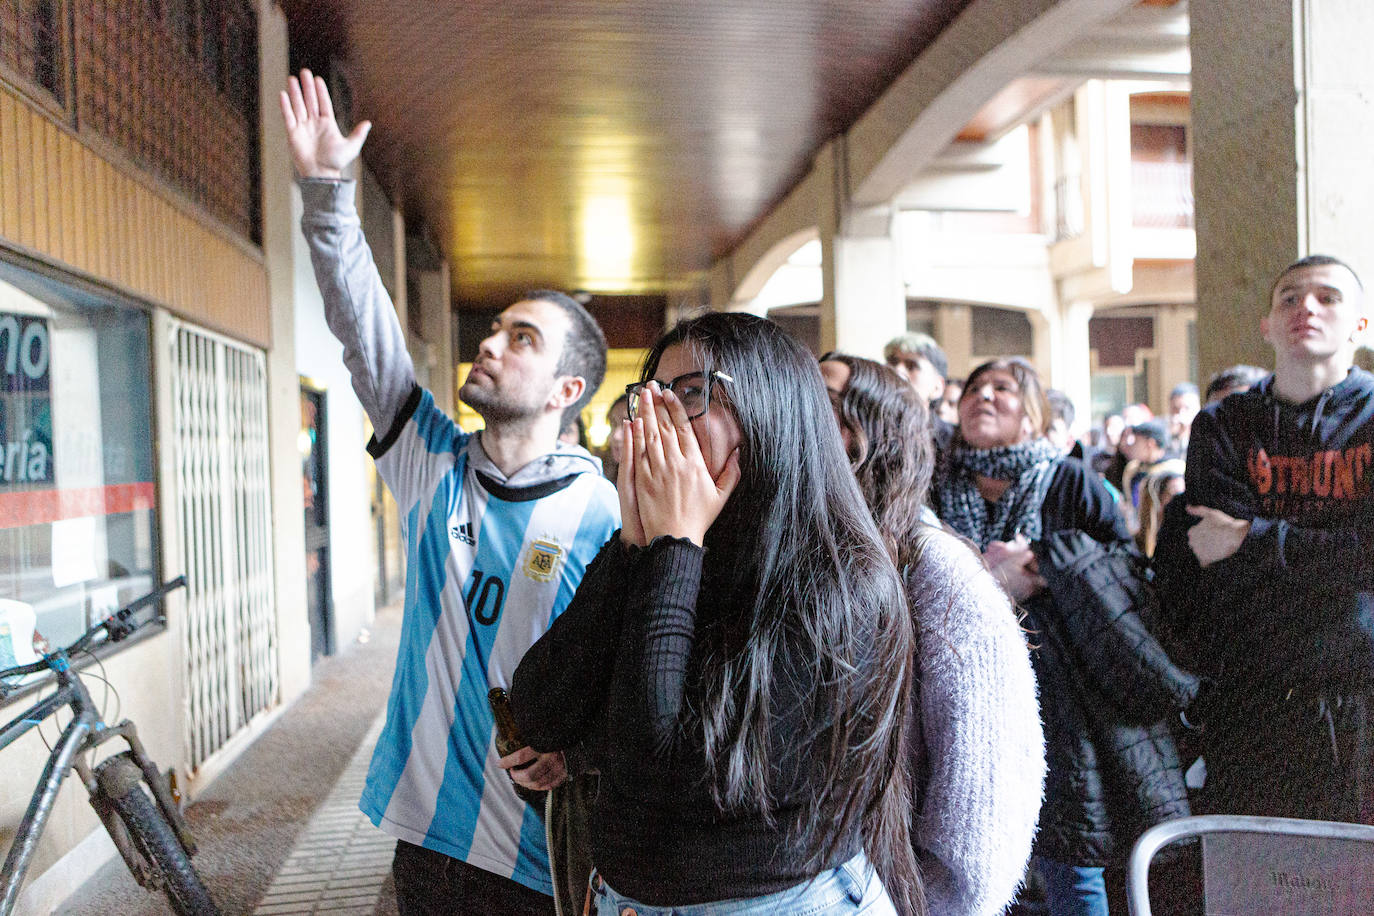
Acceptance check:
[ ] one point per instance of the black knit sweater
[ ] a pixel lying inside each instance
(620, 670)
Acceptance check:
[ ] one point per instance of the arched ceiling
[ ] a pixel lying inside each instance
(616, 146)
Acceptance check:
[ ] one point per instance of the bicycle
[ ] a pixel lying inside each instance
(148, 829)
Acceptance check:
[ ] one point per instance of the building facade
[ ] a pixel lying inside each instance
(172, 402)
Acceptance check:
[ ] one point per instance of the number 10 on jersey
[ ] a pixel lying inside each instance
(485, 597)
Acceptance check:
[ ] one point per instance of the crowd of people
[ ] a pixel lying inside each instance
(845, 635)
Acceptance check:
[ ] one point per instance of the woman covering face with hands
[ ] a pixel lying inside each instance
(737, 660)
(682, 462)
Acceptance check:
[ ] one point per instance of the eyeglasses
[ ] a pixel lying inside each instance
(692, 389)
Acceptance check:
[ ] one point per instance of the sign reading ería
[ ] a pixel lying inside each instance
(25, 401)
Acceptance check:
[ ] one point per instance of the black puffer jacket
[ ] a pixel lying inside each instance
(1108, 691)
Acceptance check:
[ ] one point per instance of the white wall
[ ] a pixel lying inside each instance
(1003, 269)
(319, 357)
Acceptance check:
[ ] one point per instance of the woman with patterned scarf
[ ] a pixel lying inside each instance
(1005, 487)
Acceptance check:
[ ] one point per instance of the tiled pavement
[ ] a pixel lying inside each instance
(341, 862)
(279, 830)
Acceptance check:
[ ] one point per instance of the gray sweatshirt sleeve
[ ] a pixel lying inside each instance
(356, 305)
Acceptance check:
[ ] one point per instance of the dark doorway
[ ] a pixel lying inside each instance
(315, 486)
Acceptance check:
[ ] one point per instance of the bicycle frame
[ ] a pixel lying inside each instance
(85, 732)
(71, 693)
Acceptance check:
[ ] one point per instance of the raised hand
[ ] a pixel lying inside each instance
(674, 490)
(318, 148)
(631, 529)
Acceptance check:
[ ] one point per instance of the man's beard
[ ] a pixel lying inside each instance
(492, 407)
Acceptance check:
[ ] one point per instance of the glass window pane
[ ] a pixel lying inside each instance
(1001, 332)
(31, 43)
(47, 63)
(1108, 395)
(77, 526)
(211, 47)
(182, 18)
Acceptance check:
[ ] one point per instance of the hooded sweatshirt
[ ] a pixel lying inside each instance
(491, 561)
(1291, 609)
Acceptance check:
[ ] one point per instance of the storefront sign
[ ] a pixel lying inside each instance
(25, 402)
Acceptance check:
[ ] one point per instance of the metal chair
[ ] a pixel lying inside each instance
(1341, 885)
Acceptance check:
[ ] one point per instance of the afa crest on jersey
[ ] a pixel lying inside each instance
(543, 558)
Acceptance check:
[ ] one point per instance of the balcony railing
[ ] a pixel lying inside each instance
(1161, 195)
(1068, 207)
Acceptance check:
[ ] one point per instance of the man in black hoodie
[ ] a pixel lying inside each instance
(1268, 577)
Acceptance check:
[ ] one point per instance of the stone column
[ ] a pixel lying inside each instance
(1283, 121)
(1171, 339)
(864, 301)
(954, 333)
(1069, 356)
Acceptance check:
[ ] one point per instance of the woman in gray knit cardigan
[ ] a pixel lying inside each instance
(976, 750)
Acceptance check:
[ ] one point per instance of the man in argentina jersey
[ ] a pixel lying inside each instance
(498, 528)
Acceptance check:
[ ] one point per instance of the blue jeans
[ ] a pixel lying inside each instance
(853, 887)
(1072, 890)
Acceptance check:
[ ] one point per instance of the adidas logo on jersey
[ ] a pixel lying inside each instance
(463, 533)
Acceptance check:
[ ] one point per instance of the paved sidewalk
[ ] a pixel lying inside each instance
(341, 863)
(280, 832)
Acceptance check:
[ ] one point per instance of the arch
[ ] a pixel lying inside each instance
(762, 270)
(737, 277)
(990, 44)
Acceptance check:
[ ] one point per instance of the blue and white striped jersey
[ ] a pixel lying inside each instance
(490, 563)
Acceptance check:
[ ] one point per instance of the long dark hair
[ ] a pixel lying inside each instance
(797, 545)
(890, 449)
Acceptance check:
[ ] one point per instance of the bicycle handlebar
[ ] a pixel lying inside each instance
(118, 626)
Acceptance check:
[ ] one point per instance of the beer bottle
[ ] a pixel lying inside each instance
(508, 739)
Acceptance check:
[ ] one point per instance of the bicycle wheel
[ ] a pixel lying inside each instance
(121, 782)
